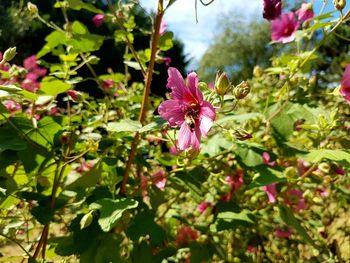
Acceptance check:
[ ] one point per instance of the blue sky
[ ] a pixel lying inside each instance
(197, 37)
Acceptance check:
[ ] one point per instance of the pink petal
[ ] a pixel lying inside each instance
(30, 63)
(205, 125)
(271, 192)
(196, 138)
(192, 82)
(176, 83)
(207, 116)
(171, 110)
(184, 139)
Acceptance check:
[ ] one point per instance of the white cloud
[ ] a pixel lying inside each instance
(197, 36)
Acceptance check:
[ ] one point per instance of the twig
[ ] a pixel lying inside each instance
(148, 81)
(128, 42)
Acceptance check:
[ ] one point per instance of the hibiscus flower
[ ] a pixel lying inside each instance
(187, 109)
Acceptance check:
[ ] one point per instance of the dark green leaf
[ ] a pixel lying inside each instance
(112, 210)
(288, 217)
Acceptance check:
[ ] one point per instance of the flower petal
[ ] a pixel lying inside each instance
(196, 138)
(192, 83)
(171, 110)
(207, 116)
(176, 83)
(184, 138)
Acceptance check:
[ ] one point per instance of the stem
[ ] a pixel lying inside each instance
(93, 72)
(148, 81)
(128, 42)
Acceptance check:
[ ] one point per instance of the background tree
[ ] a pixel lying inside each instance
(18, 29)
(237, 49)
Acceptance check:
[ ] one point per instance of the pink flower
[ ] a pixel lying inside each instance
(85, 167)
(163, 27)
(30, 85)
(98, 19)
(30, 63)
(107, 84)
(159, 179)
(272, 9)
(235, 182)
(202, 206)
(266, 159)
(271, 192)
(283, 28)
(345, 84)
(11, 105)
(303, 166)
(167, 61)
(34, 72)
(74, 95)
(280, 233)
(339, 170)
(187, 109)
(305, 12)
(186, 234)
(294, 198)
(173, 150)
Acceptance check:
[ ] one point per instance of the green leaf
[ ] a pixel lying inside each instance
(123, 36)
(112, 210)
(230, 219)
(216, 144)
(283, 122)
(78, 5)
(13, 89)
(267, 176)
(53, 40)
(42, 214)
(124, 126)
(192, 181)
(52, 87)
(143, 225)
(132, 64)
(249, 155)
(154, 125)
(10, 142)
(86, 220)
(166, 41)
(316, 156)
(288, 217)
(88, 179)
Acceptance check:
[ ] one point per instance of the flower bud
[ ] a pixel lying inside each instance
(9, 54)
(339, 4)
(241, 90)
(93, 60)
(33, 9)
(222, 83)
(257, 72)
(202, 86)
(312, 81)
(75, 95)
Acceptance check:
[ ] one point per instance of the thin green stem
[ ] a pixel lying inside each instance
(128, 42)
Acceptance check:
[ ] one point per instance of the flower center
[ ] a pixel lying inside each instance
(191, 115)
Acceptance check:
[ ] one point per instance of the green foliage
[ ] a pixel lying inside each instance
(90, 172)
(112, 210)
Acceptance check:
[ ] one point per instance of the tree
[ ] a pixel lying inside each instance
(237, 49)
